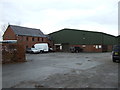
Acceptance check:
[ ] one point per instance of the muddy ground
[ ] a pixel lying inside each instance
(62, 70)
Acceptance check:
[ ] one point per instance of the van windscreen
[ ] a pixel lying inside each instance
(33, 46)
(116, 48)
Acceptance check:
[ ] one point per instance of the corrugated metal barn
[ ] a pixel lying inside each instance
(89, 41)
(118, 40)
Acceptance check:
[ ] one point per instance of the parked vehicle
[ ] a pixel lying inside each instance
(38, 48)
(51, 50)
(75, 49)
(116, 53)
(41, 47)
(32, 50)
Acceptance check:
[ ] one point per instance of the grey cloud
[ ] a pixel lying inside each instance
(37, 12)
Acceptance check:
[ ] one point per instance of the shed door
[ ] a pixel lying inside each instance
(57, 47)
(104, 48)
(65, 47)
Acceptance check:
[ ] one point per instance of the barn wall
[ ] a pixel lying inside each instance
(89, 38)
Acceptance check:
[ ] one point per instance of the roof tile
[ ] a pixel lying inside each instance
(27, 31)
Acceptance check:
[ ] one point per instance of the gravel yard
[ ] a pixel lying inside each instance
(62, 70)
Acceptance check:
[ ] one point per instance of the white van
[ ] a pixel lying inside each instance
(41, 47)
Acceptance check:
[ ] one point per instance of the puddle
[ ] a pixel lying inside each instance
(39, 86)
(79, 63)
(88, 60)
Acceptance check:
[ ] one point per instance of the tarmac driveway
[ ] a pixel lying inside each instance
(62, 70)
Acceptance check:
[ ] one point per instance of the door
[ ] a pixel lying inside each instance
(104, 48)
(65, 47)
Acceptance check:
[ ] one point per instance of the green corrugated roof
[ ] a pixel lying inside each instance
(73, 36)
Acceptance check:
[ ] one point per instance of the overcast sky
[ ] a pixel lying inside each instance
(53, 15)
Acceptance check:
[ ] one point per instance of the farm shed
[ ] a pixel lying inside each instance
(89, 41)
(118, 39)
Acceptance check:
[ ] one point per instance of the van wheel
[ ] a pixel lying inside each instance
(41, 51)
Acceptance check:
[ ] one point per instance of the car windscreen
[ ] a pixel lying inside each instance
(116, 48)
(28, 48)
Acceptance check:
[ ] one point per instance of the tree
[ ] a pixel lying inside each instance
(4, 27)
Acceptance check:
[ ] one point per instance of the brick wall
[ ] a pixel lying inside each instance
(29, 41)
(95, 48)
(12, 53)
(90, 48)
(110, 48)
(9, 35)
(26, 41)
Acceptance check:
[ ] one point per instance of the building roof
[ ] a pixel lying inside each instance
(8, 41)
(68, 29)
(77, 37)
(27, 31)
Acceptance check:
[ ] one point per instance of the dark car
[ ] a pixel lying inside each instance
(51, 50)
(75, 49)
(116, 53)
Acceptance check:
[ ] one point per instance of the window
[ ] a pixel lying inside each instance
(26, 46)
(83, 37)
(96, 46)
(83, 45)
(100, 46)
(38, 39)
(33, 39)
(60, 47)
(42, 39)
(27, 38)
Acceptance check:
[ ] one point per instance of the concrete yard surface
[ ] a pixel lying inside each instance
(62, 70)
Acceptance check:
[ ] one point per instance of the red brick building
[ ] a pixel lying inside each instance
(26, 36)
